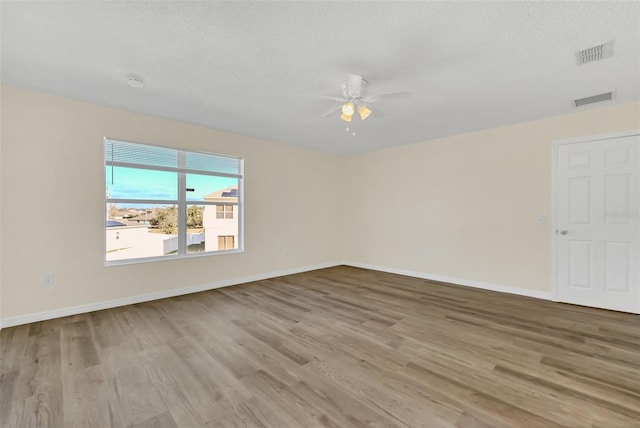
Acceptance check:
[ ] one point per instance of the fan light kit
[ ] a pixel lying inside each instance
(351, 89)
(364, 112)
(348, 109)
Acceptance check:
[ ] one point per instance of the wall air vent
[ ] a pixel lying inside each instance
(593, 99)
(595, 53)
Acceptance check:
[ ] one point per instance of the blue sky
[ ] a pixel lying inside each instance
(130, 183)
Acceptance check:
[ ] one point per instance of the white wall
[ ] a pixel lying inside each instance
(53, 180)
(137, 241)
(465, 207)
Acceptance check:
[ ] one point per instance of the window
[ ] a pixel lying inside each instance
(168, 203)
(226, 242)
(224, 211)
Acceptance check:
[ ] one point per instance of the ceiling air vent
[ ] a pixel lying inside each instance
(595, 53)
(593, 99)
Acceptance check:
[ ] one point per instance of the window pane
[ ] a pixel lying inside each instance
(195, 229)
(134, 183)
(136, 231)
(210, 188)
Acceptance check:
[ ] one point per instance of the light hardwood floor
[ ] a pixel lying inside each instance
(339, 347)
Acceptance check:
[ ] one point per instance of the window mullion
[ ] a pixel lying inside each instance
(182, 203)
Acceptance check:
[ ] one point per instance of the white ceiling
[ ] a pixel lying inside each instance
(249, 67)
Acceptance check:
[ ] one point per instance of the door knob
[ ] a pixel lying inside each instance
(564, 232)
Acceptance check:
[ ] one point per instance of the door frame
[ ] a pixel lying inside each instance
(554, 198)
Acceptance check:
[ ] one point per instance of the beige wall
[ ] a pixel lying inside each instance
(1, 180)
(465, 206)
(52, 180)
(462, 207)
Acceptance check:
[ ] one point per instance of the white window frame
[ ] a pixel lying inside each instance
(182, 203)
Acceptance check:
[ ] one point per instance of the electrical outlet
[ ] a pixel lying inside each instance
(48, 279)
(541, 219)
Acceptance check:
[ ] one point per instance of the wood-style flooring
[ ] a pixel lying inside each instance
(339, 347)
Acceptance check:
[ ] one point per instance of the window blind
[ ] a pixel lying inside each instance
(122, 153)
(212, 163)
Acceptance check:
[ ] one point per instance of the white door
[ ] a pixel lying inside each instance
(598, 223)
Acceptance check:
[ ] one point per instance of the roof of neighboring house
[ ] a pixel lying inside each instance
(113, 223)
(229, 194)
(143, 217)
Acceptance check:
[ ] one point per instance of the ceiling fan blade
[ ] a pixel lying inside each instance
(325, 97)
(387, 96)
(333, 110)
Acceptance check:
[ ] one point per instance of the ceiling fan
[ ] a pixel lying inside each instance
(354, 99)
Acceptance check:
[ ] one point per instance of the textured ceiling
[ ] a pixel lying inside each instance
(250, 67)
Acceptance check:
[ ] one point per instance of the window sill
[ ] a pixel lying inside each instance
(110, 263)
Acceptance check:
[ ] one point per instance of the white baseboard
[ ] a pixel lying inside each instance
(107, 304)
(545, 295)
